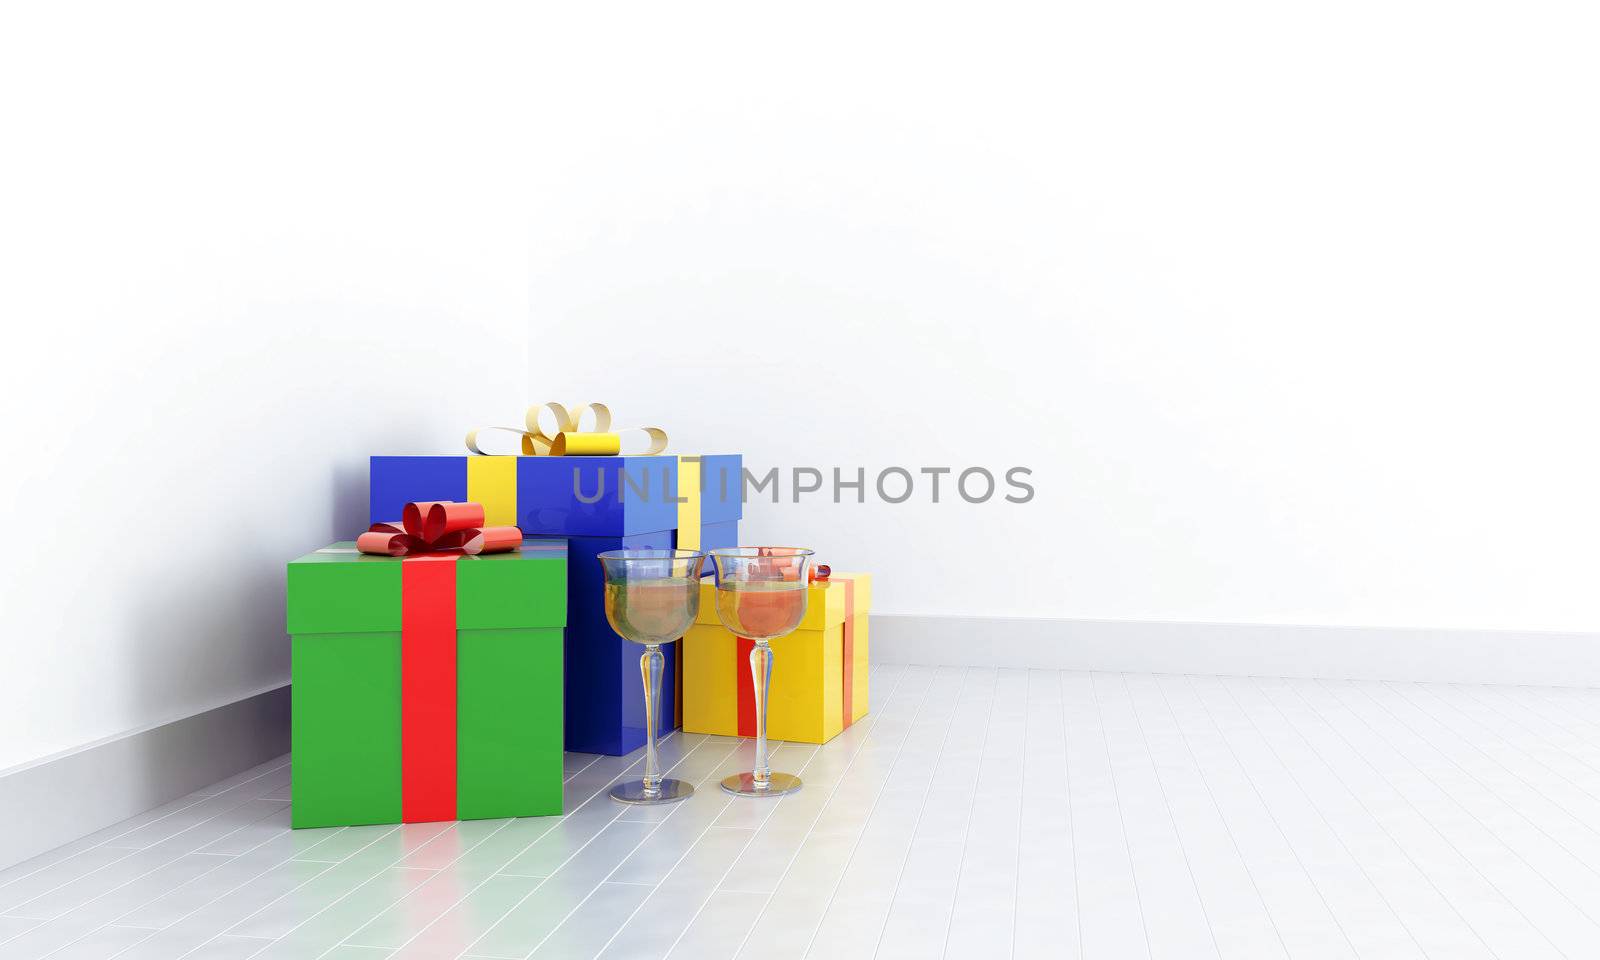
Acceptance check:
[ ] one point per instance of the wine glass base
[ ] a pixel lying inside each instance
(632, 792)
(744, 785)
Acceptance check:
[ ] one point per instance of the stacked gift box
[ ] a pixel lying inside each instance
(433, 681)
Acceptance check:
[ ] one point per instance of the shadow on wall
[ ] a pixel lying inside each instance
(349, 501)
(220, 626)
(180, 620)
(215, 623)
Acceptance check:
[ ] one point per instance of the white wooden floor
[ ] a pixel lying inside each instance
(976, 813)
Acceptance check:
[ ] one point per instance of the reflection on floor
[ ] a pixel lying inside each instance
(975, 813)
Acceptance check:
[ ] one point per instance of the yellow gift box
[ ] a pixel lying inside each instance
(819, 672)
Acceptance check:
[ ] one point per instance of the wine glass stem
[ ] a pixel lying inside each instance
(650, 665)
(761, 673)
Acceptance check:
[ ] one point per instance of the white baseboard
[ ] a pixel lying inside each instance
(1225, 649)
(61, 798)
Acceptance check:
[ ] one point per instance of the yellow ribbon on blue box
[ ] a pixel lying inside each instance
(492, 478)
(570, 439)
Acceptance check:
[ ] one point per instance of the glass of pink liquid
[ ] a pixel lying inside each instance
(651, 597)
(761, 596)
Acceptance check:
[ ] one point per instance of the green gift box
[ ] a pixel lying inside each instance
(426, 687)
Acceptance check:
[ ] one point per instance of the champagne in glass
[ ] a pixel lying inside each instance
(762, 608)
(642, 609)
(761, 596)
(651, 598)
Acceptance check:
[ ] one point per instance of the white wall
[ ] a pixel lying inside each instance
(238, 257)
(1291, 308)
(1287, 308)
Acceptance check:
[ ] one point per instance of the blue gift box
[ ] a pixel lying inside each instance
(604, 689)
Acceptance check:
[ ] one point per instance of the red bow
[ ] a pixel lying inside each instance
(439, 526)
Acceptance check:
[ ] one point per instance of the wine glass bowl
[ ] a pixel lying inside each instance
(761, 596)
(651, 598)
(761, 609)
(649, 608)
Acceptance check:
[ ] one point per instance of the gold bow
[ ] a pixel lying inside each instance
(570, 439)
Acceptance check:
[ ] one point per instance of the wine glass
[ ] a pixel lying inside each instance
(761, 595)
(652, 597)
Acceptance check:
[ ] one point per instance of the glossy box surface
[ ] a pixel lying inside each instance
(566, 496)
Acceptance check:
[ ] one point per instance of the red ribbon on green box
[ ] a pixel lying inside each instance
(438, 526)
(430, 537)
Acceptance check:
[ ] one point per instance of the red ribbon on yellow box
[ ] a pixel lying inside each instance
(438, 526)
(429, 538)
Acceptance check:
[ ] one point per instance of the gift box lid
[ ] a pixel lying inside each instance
(340, 590)
(825, 600)
(597, 496)
(561, 496)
